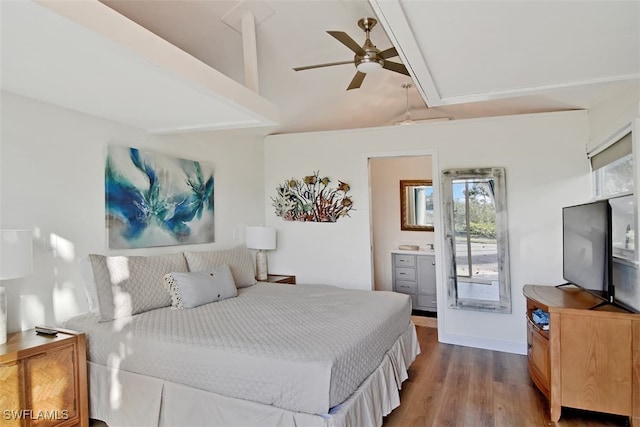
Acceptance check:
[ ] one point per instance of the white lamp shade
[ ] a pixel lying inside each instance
(16, 256)
(260, 238)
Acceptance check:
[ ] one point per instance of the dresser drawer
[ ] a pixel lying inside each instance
(400, 260)
(405, 274)
(405, 287)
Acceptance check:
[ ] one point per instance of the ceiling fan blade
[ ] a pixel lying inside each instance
(329, 64)
(394, 66)
(346, 40)
(388, 53)
(357, 80)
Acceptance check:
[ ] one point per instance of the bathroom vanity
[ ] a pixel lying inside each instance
(414, 274)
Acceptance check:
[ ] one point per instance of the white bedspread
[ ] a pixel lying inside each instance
(301, 348)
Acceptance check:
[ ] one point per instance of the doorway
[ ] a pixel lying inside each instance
(385, 173)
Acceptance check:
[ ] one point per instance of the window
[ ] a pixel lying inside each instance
(613, 179)
(613, 169)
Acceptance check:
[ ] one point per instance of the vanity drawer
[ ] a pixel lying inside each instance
(405, 287)
(405, 273)
(400, 260)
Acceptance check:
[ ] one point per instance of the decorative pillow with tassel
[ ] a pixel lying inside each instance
(190, 290)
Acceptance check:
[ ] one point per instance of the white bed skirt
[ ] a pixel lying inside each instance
(122, 398)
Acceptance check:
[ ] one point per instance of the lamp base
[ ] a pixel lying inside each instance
(261, 265)
(3, 316)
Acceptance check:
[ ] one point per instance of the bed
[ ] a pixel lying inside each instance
(272, 354)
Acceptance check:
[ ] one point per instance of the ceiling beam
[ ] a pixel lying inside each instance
(392, 17)
(245, 17)
(250, 52)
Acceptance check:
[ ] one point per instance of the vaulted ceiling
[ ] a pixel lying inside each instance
(466, 59)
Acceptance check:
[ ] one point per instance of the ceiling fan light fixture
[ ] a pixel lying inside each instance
(369, 66)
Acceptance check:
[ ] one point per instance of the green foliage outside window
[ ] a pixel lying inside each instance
(482, 214)
(615, 178)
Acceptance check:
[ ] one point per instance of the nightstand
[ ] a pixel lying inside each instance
(281, 278)
(43, 380)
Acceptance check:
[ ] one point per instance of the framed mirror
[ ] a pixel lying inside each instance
(476, 239)
(416, 205)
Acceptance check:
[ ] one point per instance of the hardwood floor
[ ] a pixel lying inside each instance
(460, 386)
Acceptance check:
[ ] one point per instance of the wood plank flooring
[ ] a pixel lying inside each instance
(460, 386)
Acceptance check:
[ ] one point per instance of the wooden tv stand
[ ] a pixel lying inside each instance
(589, 358)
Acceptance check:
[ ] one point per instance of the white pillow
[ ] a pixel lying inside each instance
(129, 285)
(238, 259)
(189, 290)
(89, 285)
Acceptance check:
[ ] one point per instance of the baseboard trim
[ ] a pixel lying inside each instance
(423, 313)
(484, 343)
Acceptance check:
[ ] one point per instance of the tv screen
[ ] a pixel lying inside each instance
(586, 233)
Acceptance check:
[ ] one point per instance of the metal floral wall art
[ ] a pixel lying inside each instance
(312, 199)
(156, 200)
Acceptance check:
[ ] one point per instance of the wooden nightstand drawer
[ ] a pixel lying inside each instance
(281, 278)
(51, 379)
(43, 380)
(12, 395)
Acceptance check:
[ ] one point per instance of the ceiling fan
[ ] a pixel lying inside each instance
(368, 58)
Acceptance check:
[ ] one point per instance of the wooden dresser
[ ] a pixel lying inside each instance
(589, 358)
(43, 380)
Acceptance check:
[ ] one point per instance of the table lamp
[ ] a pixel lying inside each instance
(261, 238)
(16, 260)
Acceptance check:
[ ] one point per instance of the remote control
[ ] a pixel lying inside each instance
(43, 330)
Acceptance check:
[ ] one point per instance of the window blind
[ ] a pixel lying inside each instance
(615, 151)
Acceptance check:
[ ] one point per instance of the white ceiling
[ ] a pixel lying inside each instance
(488, 50)
(467, 58)
(86, 57)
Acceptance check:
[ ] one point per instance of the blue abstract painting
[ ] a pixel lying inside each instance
(156, 200)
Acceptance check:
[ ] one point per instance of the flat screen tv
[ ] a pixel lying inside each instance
(587, 248)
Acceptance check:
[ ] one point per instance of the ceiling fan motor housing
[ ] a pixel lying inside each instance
(367, 24)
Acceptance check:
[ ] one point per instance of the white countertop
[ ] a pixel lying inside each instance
(418, 252)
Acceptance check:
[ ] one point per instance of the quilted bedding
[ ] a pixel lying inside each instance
(300, 348)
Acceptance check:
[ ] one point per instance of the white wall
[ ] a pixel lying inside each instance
(52, 180)
(385, 174)
(546, 166)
